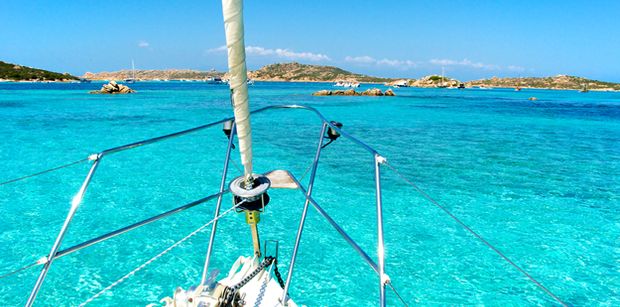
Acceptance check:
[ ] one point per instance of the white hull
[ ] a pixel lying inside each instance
(261, 290)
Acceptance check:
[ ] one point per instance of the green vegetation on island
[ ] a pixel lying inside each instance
(13, 72)
(273, 72)
(319, 73)
(559, 82)
(154, 74)
(304, 72)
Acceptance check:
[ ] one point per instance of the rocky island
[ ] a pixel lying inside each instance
(559, 82)
(273, 72)
(310, 73)
(428, 81)
(14, 72)
(153, 74)
(319, 73)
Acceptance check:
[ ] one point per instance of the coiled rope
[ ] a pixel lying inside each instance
(44, 171)
(475, 234)
(171, 247)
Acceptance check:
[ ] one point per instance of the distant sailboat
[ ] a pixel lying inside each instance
(584, 88)
(133, 74)
(443, 78)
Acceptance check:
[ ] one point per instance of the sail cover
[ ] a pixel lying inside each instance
(233, 23)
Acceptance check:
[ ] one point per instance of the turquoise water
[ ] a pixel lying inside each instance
(540, 180)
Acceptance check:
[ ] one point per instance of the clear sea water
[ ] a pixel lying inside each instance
(540, 180)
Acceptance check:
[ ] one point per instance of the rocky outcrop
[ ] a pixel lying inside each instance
(351, 92)
(372, 92)
(113, 88)
(322, 93)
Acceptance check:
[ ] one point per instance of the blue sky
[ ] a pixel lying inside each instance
(471, 39)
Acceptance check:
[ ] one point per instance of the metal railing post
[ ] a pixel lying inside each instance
(219, 204)
(337, 227)
(304, 213)
(383, 279)
(75, 204)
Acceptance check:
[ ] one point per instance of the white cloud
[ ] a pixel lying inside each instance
(278, 52)
(516, 68)
(368, 60)
(397, 63)
(219, 49)
(465, 63)
(259, 51)
(361, 59)
(143, 44)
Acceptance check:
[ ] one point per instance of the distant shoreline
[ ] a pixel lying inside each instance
(307, 81)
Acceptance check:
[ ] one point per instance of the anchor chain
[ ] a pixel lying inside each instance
(230, 296)
(277, 273)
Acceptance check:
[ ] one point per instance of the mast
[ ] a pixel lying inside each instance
(233, 24)
(249, 192)
(133, 70)
(442, 76)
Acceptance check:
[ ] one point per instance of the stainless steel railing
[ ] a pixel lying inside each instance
(377, 159)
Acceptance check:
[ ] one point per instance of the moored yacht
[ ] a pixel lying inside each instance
(214, 80)
(133, 74)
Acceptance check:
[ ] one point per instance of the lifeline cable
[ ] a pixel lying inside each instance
(45, 171)
(482, 239)
(171, 247)
(18, 270)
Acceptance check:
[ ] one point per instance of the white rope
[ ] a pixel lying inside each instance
(142, 266)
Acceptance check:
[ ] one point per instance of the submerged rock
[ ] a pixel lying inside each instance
(113, 88)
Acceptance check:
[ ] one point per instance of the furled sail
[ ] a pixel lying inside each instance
(233, 23)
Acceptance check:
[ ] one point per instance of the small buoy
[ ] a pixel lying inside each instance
(532, 98)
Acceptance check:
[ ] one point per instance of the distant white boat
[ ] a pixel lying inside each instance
(347, 84)
(214, 80)
(400, 83)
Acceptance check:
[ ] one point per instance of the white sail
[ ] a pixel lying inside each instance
(233, 23)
